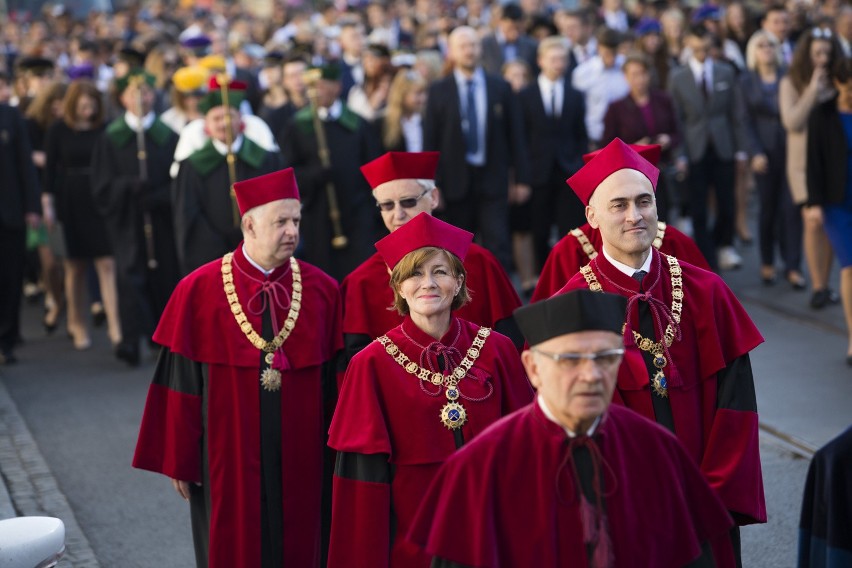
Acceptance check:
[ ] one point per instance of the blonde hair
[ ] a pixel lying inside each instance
(405, 268)
(405, 82)
(751, 49)
(552, 42)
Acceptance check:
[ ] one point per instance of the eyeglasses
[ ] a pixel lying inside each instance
(821, 33)
(605, 359)
(406, 203)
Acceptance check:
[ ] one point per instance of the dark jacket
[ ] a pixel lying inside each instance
(19, 191)
(554, 143)
(624, 120)
(764, 132)
(493, 59)
(827, 155)
(504, 140)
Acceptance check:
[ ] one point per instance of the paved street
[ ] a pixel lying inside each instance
(82, 412)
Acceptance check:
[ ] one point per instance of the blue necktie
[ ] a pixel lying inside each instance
(472, 123)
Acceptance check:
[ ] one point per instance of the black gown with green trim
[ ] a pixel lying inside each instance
(122, 199)
(203, 210)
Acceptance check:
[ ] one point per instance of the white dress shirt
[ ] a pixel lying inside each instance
(628, 270)
(481, 97)
(549, 415)
(412, 131)
(601, 86)
(133, 121)
(548, 89)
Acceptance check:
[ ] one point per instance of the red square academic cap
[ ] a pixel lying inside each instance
(400, 165)
(613, 157)
(423, 231)
(257, 191)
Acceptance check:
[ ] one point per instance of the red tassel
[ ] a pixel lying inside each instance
(280, 361)
(596, 533)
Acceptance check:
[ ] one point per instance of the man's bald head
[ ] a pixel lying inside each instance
(464, 48)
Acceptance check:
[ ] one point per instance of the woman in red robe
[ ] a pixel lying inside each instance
(414, 396)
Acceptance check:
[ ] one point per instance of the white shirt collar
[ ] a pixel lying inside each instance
(701, 69)
(549, 415)
(222, 148)
(133, 121)
(264, 271)
(628, 270)
(331, 113)
(546, 84)
(462, 79)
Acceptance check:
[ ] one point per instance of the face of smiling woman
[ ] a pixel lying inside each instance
(430, 289)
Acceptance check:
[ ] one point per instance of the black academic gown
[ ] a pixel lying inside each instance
(205, 227)
(351, 143)
(123, 200)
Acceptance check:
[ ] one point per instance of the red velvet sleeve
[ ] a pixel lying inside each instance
(171, 431)
(562, 263)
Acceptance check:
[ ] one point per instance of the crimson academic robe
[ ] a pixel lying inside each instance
(390, 439)
(711, 403)
(567, 256)
(206, 417)
(510, 498)
(367, 295)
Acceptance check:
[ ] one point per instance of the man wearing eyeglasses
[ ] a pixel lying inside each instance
(687, 338)
(570, 480)
(403, 186)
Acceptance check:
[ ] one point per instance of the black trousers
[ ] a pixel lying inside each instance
(780, 221)
(553, 203)
(718, 173)
(484, 214)
(12, 251)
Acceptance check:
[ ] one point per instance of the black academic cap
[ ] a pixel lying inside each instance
(133, 57)
(35, 64)
(574, 311)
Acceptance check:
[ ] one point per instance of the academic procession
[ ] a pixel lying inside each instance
(438, 285)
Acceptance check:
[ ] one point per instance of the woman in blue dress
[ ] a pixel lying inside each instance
(830, 177)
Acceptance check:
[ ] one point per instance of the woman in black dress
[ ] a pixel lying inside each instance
(68, 146)
(41, 113)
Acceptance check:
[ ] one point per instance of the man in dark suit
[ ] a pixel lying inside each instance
(555, 129)
(709, 106)
(351, 45)
(578, 26)
(474, 120)
(19, 207)
(509, 42)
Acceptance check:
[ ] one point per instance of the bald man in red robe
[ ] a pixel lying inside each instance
(687, 336)
(234, 414)
(570, 480)
(583, 244)
(403, 186)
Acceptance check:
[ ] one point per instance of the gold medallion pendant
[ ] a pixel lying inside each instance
(271, 379)
(453, 415)
(660, 385)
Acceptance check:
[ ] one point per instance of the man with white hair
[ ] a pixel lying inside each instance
(234, 414)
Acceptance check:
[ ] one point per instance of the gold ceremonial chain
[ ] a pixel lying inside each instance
(592, 253)
(655, 348)
(453, 414)
(270, 378)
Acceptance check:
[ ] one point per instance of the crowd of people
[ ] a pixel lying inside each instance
(218, 171)
(728, 91)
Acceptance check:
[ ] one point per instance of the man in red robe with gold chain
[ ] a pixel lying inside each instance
(571, 480)
(687, 336)
(234, 414)
(403, 186)
(583, 244)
